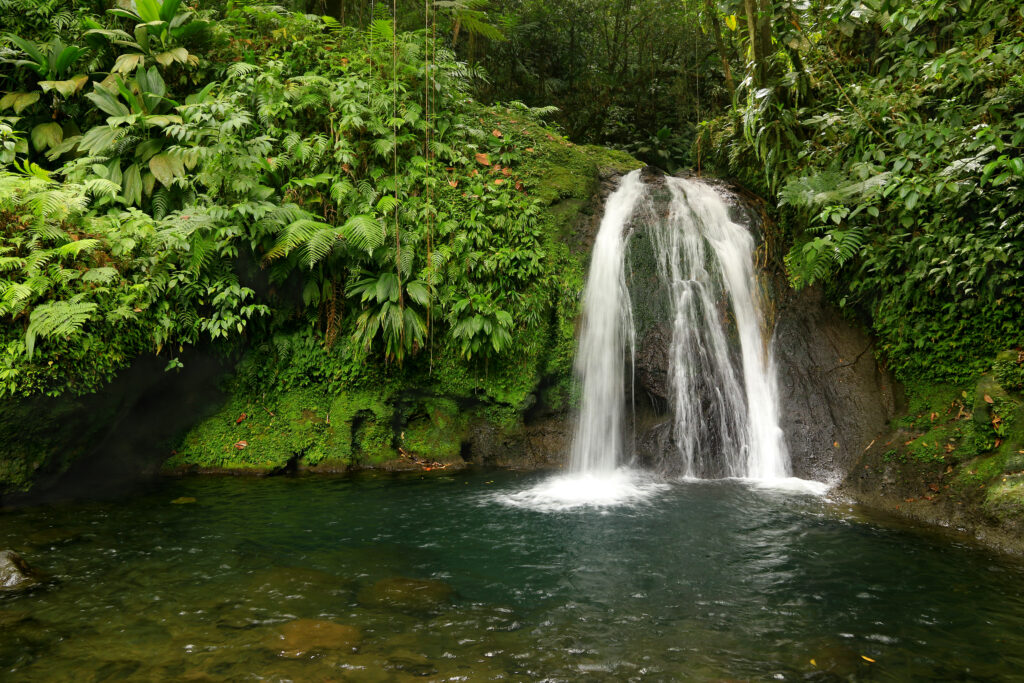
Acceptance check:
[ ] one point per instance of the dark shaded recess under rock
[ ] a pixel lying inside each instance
(73, 446)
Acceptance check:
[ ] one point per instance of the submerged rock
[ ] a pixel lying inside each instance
(305, 637)
(15, 572)
(407, 594)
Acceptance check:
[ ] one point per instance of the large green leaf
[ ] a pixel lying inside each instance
(32, 50)
(18, 101)
(128, 62)
(99, 139)
(177, 54)
(131, 184)
(149, 10)
(47, 135)
(166, 168)
(107, 102)
(66, 88)
(65, 58)
(169, 8)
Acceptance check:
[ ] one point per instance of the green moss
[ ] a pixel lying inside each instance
(929, 404)
(932, 445)
(980, 471)
(436, 430)
(1005, 499)
(1009, 370)
(307, 425)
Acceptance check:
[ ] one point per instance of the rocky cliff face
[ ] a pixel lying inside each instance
(835, 399)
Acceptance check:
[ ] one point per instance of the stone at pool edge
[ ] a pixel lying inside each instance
(407, 594)
(15, 573)
(305, 637)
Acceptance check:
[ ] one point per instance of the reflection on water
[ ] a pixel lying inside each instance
(435, 578)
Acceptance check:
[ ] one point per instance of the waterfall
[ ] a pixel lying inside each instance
(607, 332)
(724, 406)
(721, 373)
(725, 413)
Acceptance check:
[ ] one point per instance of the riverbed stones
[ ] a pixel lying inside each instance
(306, 637)
(420, 595)
(15, 574)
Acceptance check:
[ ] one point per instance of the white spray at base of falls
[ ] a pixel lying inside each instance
(596, 477)
(724, 403)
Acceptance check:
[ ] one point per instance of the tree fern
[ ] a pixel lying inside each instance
(57, 319)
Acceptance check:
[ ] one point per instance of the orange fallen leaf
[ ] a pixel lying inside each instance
(241, 419)
(519, 186)
(867, 659)
(835, 444)
(453, 183)
(482, 159)
(988, 399)
(496, 133)
(529, 149)
(499, 181)
(506, 171)
(240, 445)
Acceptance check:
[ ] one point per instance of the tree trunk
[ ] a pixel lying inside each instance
(765, 15)
(752, 32)
(716, 31)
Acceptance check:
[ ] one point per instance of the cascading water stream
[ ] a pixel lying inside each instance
(597, 446)
(726, 420)
(723, 396)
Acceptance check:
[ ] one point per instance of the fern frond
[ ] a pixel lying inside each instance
(57, 319)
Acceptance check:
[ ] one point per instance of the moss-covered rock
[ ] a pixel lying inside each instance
(955, 458)
(308, 426)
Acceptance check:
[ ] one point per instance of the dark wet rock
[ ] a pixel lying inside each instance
(407, 594)
(58, 448)
(652, 356)
(306, 637)
(411, 663)
(835, 399)
(539, 444)
(655, 449)
(15, 573)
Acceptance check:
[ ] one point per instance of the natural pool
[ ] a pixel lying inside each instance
(703, 581)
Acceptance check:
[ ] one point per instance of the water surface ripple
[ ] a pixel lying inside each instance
(699, 581)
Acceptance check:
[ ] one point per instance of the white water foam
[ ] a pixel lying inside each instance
(622, 486)
(791, 485)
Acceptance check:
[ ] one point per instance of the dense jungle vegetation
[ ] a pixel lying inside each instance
(362, 186)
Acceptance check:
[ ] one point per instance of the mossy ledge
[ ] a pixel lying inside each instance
(955, 458)
(293, 402)
(334, 409)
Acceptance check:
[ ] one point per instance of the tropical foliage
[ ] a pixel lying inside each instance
(266, 173)
(892, 132)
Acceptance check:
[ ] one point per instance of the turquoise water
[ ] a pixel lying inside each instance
(706, 581)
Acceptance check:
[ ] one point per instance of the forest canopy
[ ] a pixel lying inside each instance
(368, 176)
